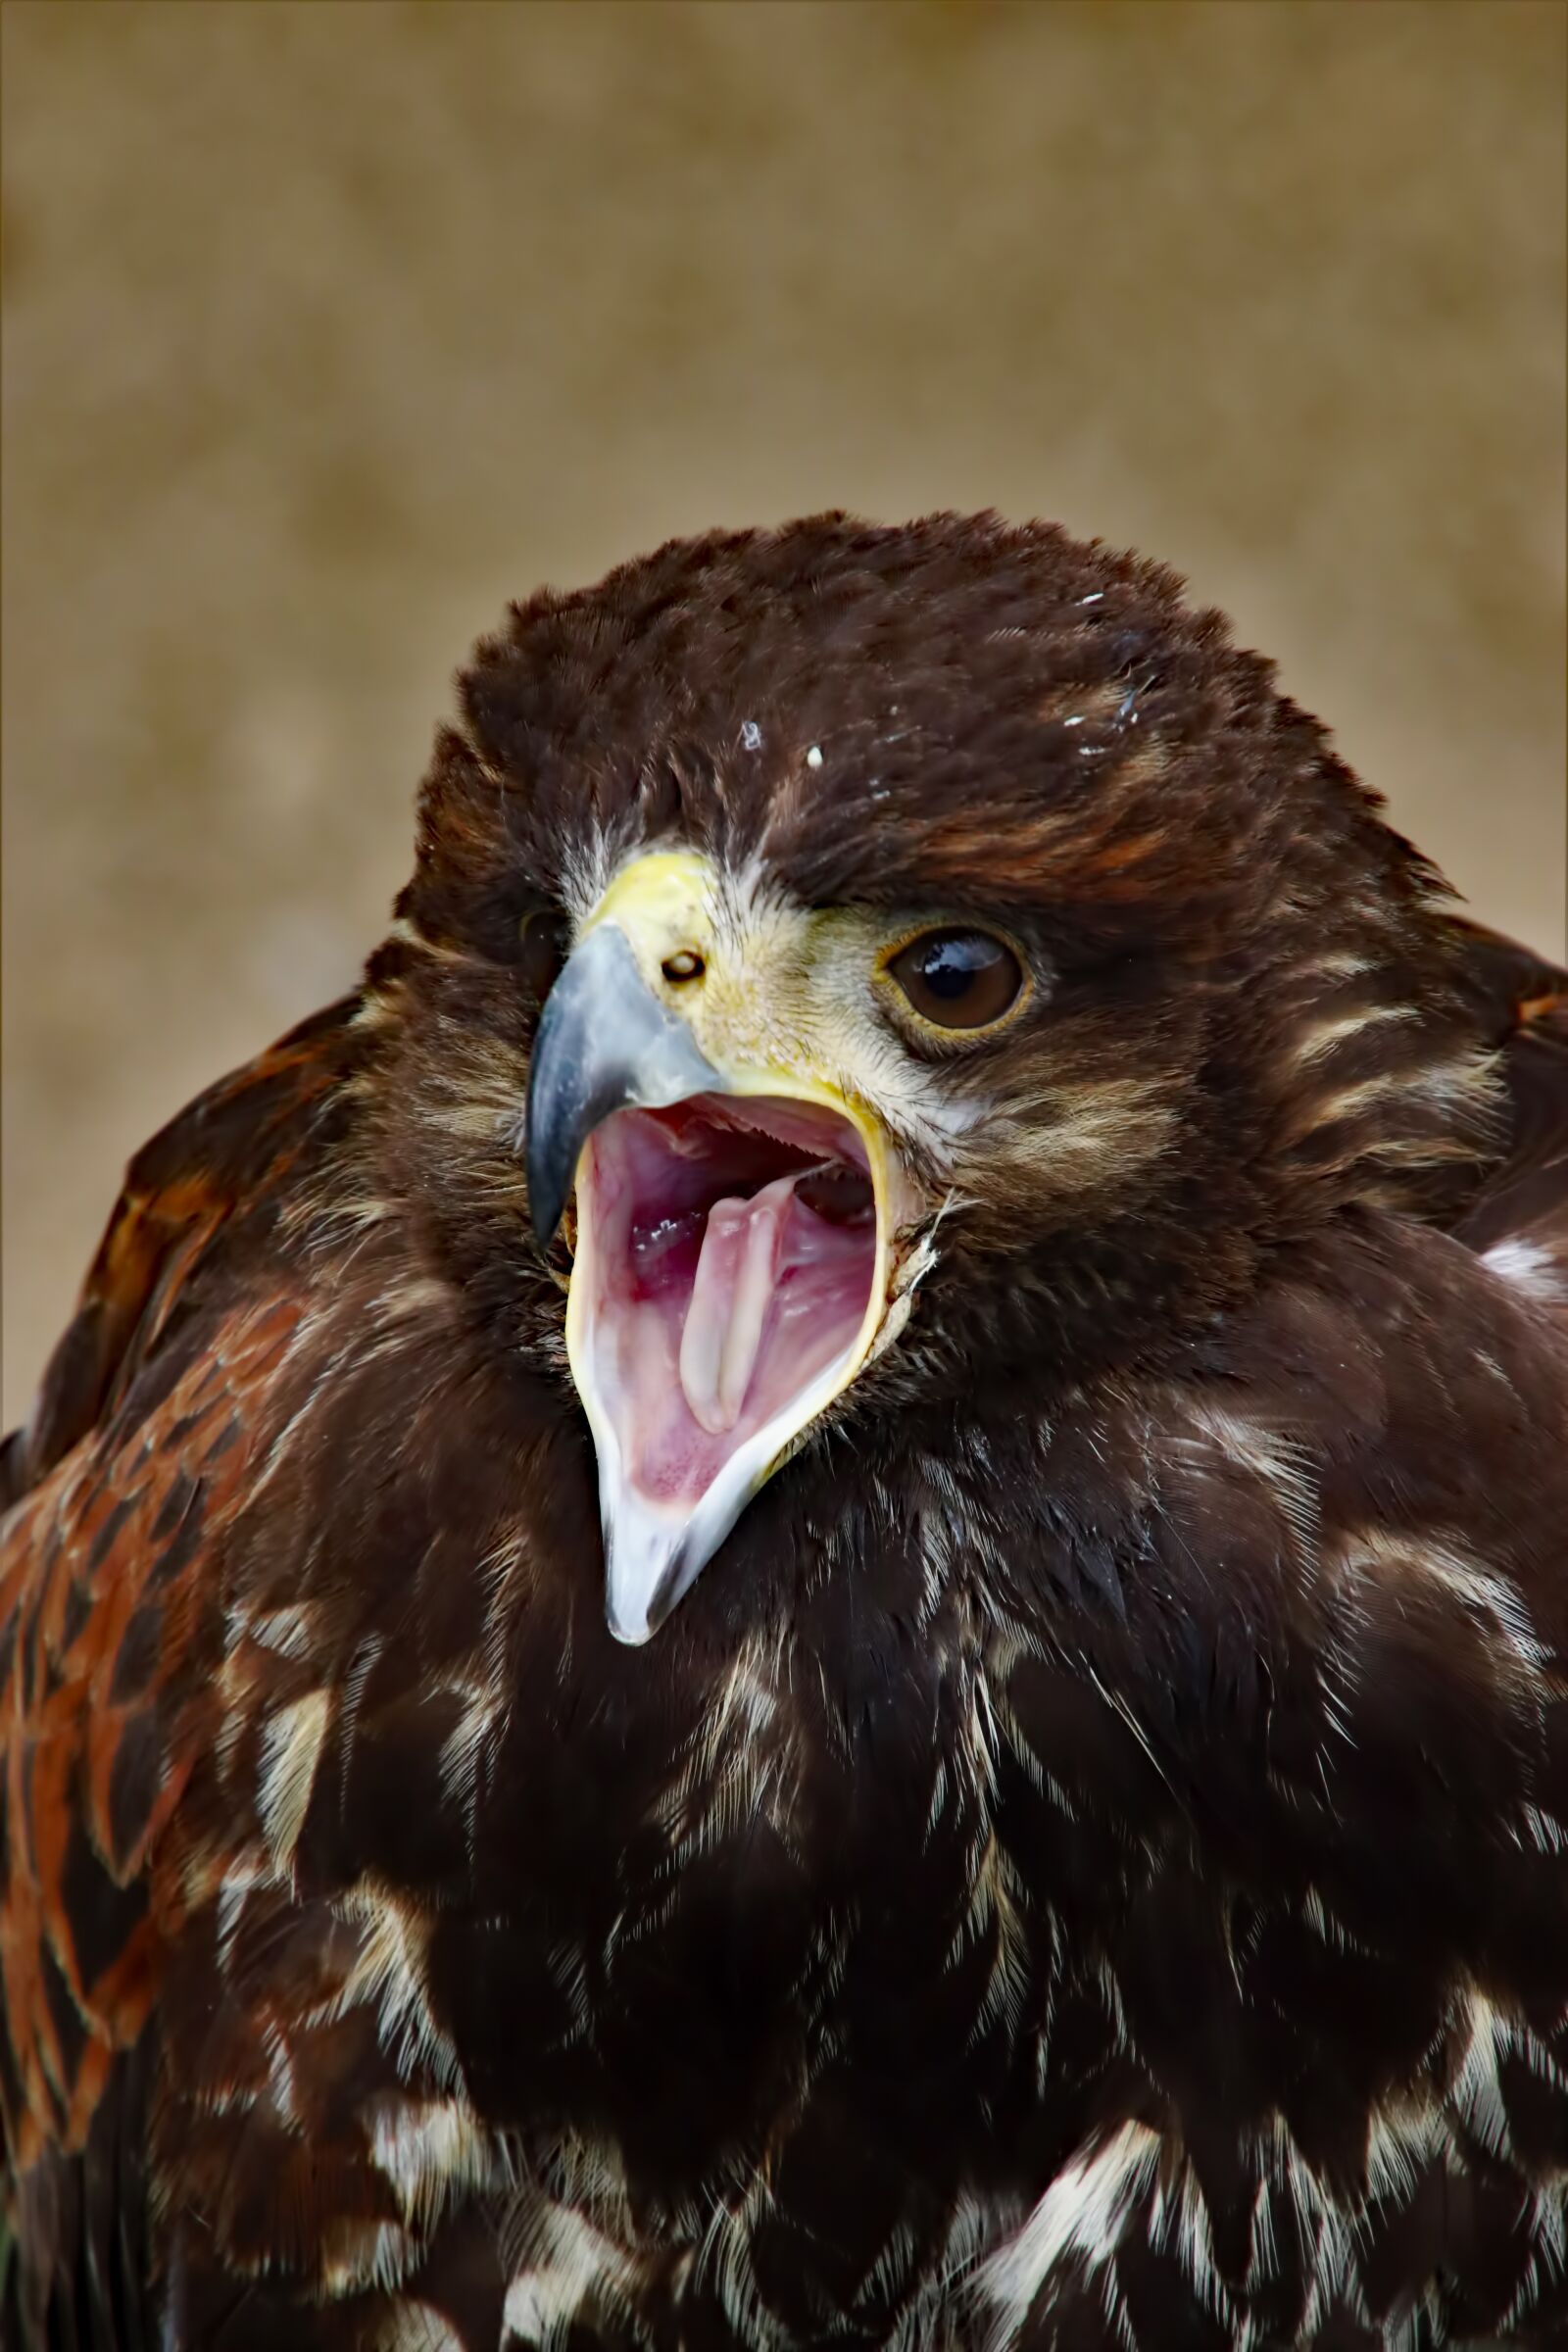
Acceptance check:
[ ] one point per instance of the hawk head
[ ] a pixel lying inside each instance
(909, 966)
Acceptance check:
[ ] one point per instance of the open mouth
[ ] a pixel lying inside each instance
(725, 1288)
(734, 1252)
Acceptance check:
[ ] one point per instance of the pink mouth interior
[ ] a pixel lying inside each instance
(734, 1252)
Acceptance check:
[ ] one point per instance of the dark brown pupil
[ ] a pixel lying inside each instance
(951, 967)
(958, 979)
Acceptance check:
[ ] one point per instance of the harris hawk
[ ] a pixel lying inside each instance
(813, 1592)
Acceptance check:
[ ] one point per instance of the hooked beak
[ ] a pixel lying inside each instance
(605, 1042)
(732, 1232)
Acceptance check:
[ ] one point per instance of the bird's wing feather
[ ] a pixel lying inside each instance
(1522, 1211)
(227, 1156)
(139, 1451)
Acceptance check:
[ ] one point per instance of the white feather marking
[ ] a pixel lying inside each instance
(1399, 2148)
(1280, 1462)
(1179, 2220)
(1529, 1266)
(1546, 1832)
(1082, 2214)
(431, 2151)
(389, 1972)
(291, 1750)
(1431, 1557)
(414, 2328)
(1464, 1081)
(568, 2260)
(1323, 1036)
(357, 2253)
(248, 1872)
(287, 1631)
(1477, 2094)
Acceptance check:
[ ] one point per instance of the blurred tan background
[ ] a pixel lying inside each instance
(327, 327)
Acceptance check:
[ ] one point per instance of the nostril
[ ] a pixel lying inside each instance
(684, 964)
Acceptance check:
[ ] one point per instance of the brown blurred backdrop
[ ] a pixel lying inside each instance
(327, 327)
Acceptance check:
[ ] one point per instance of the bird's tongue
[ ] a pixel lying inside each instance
(736, 1282)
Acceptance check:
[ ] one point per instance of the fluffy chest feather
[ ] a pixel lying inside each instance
(983, 1908)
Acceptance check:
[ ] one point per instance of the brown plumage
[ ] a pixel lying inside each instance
(1086, 1863)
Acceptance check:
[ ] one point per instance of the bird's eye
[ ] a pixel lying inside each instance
(958, 979)
(542, 944)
